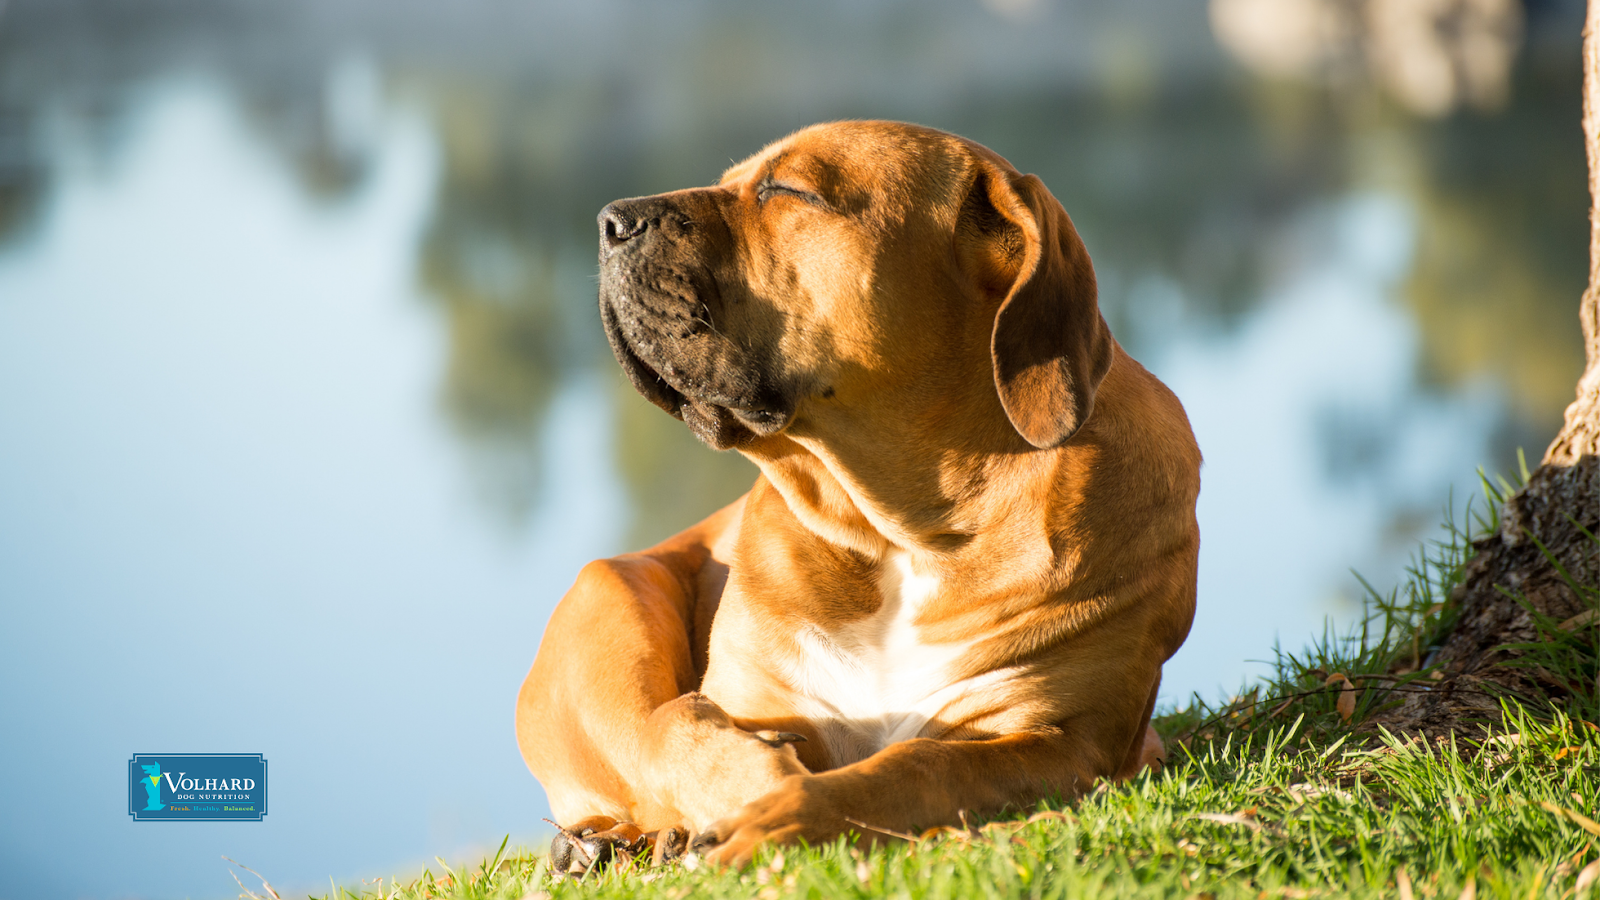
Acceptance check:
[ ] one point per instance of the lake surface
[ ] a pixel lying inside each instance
(306, 418)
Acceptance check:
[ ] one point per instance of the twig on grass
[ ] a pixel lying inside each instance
(888, 831)
(264, 882)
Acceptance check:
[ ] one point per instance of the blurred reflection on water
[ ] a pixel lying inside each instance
(298, 346)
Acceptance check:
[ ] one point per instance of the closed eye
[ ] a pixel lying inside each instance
(768, 189)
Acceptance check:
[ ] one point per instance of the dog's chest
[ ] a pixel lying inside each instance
(875, 681)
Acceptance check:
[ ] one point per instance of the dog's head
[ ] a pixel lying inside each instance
(854, 268)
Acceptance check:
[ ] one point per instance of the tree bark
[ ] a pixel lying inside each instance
(1561, 495)
(1580, 434)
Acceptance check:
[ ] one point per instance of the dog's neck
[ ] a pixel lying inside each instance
(934, 503)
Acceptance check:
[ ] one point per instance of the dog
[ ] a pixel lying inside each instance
(971, 547)
(152, 787)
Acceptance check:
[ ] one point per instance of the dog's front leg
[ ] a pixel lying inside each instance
(909, 786)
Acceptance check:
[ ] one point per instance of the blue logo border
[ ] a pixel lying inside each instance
(134, 801)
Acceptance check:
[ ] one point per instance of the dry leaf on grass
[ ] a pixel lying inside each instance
(1303, 791)
(1587, 877)
(1230, 819)
(1402, 882)
(1586, 617)
(1509, 741)
(1346, 704)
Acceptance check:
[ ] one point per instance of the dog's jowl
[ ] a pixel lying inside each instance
(971, 547)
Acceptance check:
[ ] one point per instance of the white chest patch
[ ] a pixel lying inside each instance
(873, 682)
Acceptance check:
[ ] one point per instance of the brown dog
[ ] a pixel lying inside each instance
(972, 544)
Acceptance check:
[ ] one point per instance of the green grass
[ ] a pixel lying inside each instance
(1276, 792)
(1273, 814)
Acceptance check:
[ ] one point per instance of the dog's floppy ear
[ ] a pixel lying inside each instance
(1050, 346)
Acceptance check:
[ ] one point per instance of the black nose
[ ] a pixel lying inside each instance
(620, 223)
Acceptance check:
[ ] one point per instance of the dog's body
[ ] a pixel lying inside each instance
(970, 550)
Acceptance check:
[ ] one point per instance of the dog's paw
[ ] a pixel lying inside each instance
(671, 844)
(796, 810)
(598, 841)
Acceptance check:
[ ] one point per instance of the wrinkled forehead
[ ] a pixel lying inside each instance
(880, 158)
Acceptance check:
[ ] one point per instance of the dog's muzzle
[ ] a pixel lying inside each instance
(667, 321)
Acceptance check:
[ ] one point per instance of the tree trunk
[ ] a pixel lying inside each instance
(1563, 493)
(1580, 435)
